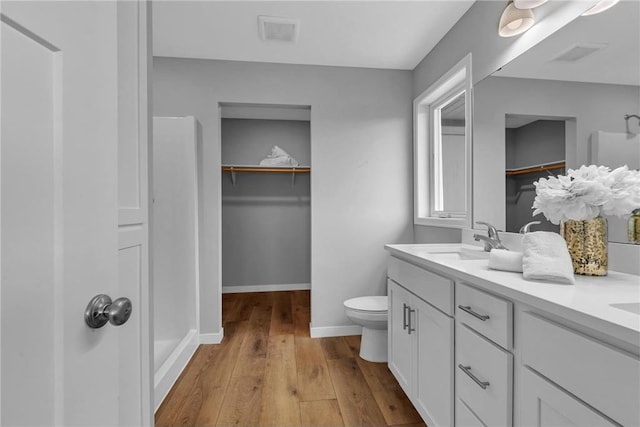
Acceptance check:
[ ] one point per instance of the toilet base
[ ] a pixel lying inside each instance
(373, 345)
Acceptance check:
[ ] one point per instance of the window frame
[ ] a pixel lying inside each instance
(427, 130)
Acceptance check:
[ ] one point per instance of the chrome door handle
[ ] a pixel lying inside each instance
(467, 309)
(467, 370)
(101, 310)
(411, 329)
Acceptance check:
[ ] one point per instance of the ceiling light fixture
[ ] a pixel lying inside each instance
(601, 6)
(515, 21)
(528, 4)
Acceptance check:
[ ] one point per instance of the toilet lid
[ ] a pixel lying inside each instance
(367, 303)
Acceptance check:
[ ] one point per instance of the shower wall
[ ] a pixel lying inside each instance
(174, 241)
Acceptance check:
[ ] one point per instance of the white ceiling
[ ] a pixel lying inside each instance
(371, 34)
(618, 63)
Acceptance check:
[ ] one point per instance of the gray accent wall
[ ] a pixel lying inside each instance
(266, 221)
(361, 180)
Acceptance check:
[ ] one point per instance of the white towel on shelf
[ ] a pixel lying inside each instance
(501, 259)
(278, 157)
(545, 257)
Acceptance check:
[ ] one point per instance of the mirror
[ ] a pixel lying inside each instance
(580, 81)
(442, 150)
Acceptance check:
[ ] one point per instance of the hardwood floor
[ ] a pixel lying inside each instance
(268, 372)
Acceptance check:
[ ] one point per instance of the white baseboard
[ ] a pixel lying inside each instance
(171, 369)
(212, 338)
(266, 288)
(335, 331)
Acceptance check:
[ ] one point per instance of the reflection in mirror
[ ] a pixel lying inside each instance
(586, 75)
(448, 158)
(534, 149)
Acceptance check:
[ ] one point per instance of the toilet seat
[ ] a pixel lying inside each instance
(377, 304)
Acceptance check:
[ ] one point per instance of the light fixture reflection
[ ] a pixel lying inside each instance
(528, 4)
(601, 6)
(515, 21)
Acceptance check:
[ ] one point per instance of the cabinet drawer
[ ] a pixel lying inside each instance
(486, 314)
(492, 368)
(435, 289)
(600, 375)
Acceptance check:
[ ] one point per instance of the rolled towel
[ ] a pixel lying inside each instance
(545, 257)
(501, 259)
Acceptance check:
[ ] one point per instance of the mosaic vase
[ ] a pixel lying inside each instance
(587, 244)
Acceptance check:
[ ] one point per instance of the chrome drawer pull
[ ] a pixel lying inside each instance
(467, 309)
(467, 370)
(404, 316)
(409, 325)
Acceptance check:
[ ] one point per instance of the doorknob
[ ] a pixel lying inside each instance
(102, 310)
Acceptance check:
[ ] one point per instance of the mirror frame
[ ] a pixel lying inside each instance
(457, 80)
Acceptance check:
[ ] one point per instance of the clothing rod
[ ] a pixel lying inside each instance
(271, 170)
(541, 168)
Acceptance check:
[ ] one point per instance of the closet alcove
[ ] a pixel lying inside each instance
(535, 148)
(266, 210)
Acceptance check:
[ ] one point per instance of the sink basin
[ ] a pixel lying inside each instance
(631, 307)
(463, 254)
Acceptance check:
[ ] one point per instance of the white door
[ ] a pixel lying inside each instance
(434, 364)
(400, 342)
(73, 212)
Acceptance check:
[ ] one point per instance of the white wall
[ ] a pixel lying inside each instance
(266, 221)
(173, 235)
(594, 107)
(361, 183)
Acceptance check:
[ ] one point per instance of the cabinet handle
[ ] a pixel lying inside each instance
(404, 316)
(467, 309)
(410, 328)
(467, 370)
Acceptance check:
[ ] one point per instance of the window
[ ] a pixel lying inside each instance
(442, 150)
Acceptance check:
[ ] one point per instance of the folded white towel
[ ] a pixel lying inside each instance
(545, 257)
(501, 259)
(279, 157)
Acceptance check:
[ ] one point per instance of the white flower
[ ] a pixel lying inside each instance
(588, 192)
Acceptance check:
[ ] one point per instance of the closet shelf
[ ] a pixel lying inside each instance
(293, 170)
(560, 164)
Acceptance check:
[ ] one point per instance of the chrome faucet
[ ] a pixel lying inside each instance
(492, 240)
(527, 227)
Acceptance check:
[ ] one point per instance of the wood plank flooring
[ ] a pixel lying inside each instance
(268, 372)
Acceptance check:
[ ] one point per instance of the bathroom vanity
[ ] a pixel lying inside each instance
(472, 346)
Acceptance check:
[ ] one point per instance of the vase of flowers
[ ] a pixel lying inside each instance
(578, 201)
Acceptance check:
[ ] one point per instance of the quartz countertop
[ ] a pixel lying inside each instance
(590, 302)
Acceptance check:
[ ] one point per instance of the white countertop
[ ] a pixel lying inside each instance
(587, 303)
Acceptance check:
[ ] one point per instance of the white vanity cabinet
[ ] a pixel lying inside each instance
(421, 342)
(544, 404)
(569, 374)
(526, 353)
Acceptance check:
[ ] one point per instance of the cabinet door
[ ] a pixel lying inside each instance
(400, 342)
(434, 364)
(543, 404)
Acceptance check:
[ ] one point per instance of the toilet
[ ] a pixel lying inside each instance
(371, 313)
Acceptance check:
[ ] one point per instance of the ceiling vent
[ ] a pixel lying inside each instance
(578, 51)
(278, 28)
